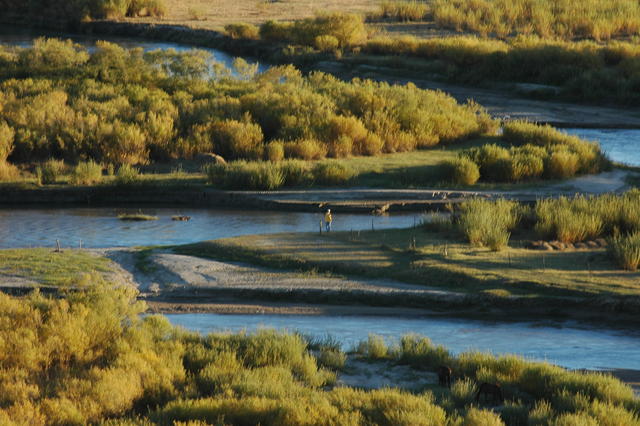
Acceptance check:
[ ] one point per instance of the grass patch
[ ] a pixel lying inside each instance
(438, 260)
(48, 267)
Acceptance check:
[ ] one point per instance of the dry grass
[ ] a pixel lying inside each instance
(216, 14)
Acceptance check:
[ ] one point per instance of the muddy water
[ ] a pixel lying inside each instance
(100, 227)
(564, 344)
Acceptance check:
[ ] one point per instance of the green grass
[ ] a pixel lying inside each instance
(439, 260)
(48, 267)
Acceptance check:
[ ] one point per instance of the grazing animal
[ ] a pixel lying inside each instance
(444, 376)
(490, 390)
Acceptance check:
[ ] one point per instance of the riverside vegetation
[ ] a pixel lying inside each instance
(91, 358)
(114, 108)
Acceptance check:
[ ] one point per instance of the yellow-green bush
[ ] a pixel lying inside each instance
(48, 172)
(87, 173)
(242, 31)
(626, 251)
(462, 171)
(488, 223)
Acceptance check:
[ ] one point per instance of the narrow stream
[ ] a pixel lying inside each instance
(564, 344)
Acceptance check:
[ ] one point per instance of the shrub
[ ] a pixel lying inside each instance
(419, 352)
(86, 173)
(625, 250)
(333, 359)
(127, 175)
(562, 165)
(487, 223)
(275, 151)
(332, 173)
(244, 175)
(477, 417)
(306, 149)
(8, 171)
(237, 139)
(48, 172)
(462, 171)
(326, 43)
(6, 141)
(242, 31)
(463, 392)
(373, 348)
(403, 10)
(296, 173)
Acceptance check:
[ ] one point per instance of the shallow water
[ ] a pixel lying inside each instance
(100, 227)
(566, 344)
(621, 145)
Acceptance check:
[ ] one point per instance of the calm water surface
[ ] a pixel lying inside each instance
(621, 145)
(566, 345)
(100, 227)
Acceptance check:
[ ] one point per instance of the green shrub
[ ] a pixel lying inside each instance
(242, 31)
(373, 348)
(419, 352)
(462, 171)
(625, 250)
(8, 171)
(127, 175)
(463, 392)
(48, 172)
(332, 173)
(403, 10)
(562, 165)
(306, 149)
(275, 151)
(87, 173)
(326, 43)
(296, 173)
(332, 359)
(478, 417)
(6, 141)
(237, 139)
(244, 175)
(487, 223)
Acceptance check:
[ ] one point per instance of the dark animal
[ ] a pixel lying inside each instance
(490, 390)
(181, 218)
(444, 376)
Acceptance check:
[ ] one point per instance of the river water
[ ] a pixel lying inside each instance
(566, 344)
(621, 145)
(100, 227)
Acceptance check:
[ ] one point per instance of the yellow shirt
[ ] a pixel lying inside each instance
(328, 218)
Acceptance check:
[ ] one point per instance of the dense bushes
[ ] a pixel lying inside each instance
(547, 18)
(270, 176)
(347, 29)
(539, 152)
(91, 357)
(583, 71)
(115, 106)
(582, 218)
(85, 9)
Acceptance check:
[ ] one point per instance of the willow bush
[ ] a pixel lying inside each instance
(117, 106)
(536, 152)
(91, 357)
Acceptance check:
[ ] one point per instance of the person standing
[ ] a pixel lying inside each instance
(327, 220)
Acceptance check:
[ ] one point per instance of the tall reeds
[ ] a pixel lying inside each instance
(488, 223)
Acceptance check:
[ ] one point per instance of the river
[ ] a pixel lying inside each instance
(100, 227)
(566, 344)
